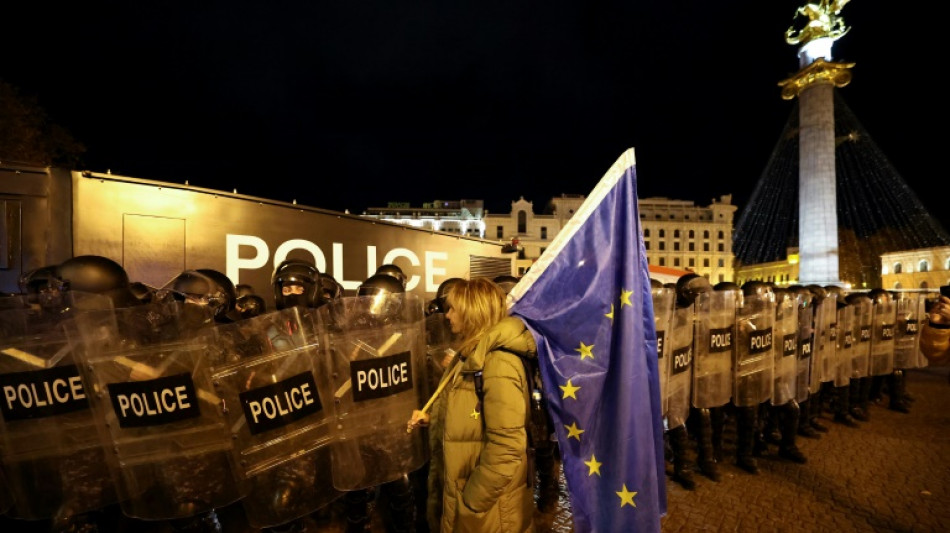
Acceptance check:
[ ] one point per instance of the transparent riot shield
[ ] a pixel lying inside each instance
(377, 352)
(275, 389)
(663, 300)
(844, 349)
(680, 366)
(439, 341)
(156, 409)
(826, 313)
(54, 462)
(910, 310)
(806, 346)
(883, 318)
(715, 318)
(755, 321)
(786, 350)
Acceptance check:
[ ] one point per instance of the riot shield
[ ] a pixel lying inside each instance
(663, 300)
(54, 462)
(276, 388)
(755, 321)
(377, 353)
(806, 346)
(910, 310)
(156, 409)
(826, 313)
(715, 347)
(861, 351)
(439, 341)
(883, 317)
(6, 499)
(680, 366)
(844, 345)
(785, 353)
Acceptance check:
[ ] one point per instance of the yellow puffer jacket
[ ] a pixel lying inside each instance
(478, 473)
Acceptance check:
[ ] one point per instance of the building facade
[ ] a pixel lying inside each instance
(923, 268)
(680, 234)
(464, 217)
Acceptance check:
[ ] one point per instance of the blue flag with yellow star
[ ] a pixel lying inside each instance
(587, 301)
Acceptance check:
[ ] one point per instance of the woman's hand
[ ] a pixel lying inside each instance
(419, 419)
(940, 312)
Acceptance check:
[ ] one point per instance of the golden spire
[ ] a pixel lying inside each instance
(823, 22)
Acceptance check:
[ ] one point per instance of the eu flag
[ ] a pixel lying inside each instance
(587, 301)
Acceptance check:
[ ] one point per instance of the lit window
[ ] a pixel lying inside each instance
(897, 268)
(923, 266)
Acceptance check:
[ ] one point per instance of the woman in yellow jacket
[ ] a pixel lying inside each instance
(935, 335)
(478, 472)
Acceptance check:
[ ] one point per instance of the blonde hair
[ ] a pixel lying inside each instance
(480, 304)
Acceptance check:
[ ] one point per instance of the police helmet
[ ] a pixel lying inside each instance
(296, 273)
(506, 282)
(330, 288)
(205, 287)
(99, 275)
(756, 287)
(442, 292)
(378, 290)
(33, 281)
(688, 287)
(879, 296)
(392, 270)
(249, 306)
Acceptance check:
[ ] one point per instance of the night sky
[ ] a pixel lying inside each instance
(349, 105)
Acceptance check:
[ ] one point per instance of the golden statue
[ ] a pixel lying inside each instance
(823, 21)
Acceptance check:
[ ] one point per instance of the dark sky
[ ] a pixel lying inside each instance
(352, 104)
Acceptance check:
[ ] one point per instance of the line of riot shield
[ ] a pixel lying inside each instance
(6, 498)
(786, 354)
(910, 310)
(680, 366)
(806, 346)
(377, 355)
(826, 313)
(755, 321)
(844, 347)
(715, 318)
(663, 301)
(156, 410)
(883, 317)
(53, 460)
(861, 351)
(275, 395)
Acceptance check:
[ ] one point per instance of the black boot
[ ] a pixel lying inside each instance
(356, 505)
(788, 422)
(746, 419)
(855, 408)
(399, 510)
(679, 440)
(815, 408)
(804, 426)
(705, 455)
(842, 407)
(897, 386)
(717, 416)
(876, 391)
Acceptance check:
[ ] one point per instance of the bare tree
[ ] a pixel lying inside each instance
(27, 135)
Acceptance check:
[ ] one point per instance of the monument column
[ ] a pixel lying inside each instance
(814, 86)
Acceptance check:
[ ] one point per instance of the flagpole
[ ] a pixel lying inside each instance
(455, 372)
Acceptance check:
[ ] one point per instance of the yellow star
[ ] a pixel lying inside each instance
(610, 315)
(474, 414)
(574, 431)
(569, 390)
(625, 297)
(626, 497)
(585, 351)
(593, 465)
